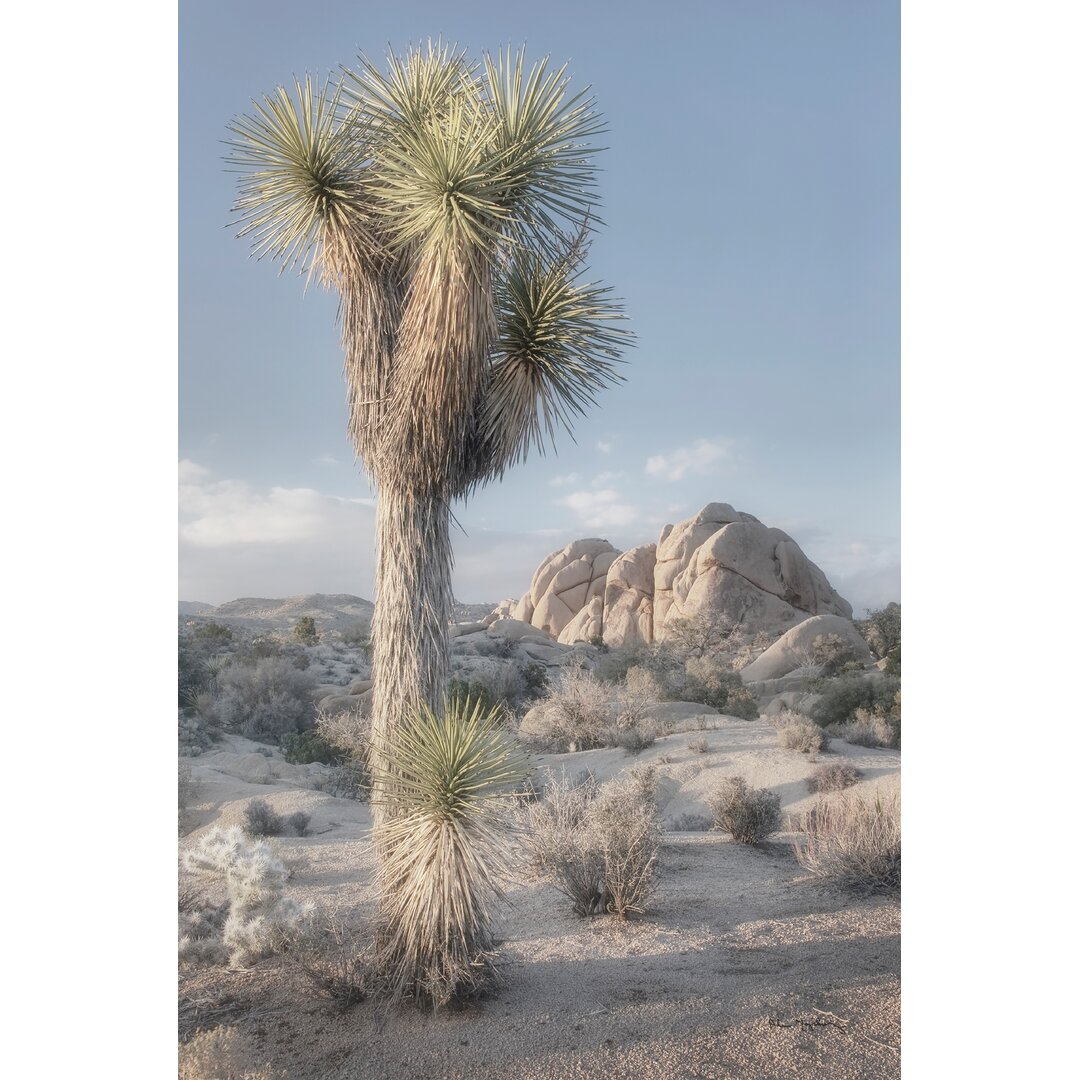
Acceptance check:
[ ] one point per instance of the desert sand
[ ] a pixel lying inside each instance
(743, 966)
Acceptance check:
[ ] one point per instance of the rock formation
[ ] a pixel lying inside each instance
(721, 560)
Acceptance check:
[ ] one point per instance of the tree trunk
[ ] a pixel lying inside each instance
(413, 604)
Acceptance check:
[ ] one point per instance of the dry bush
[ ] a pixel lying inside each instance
(298, 822)
(698, 746)
(334, 956)
(213, 1055)
(711, 681)
(265, 699)
(260, 819)
(600, 846)
(258, 913)
(350, 733)
(834, 777)
(645, 683)
(443, 850)
(869, 728)
(690, 823)
(637, 738)
(749, 814)
(853, 839)
(803, 735)
(586, 712)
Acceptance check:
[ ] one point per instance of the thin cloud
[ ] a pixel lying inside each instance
(601, 509)
(697, 459)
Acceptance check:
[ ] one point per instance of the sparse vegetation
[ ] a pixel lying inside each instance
(749, 814)
(853, 840)
(586, 712)
(840, 697)
(600, 846)
(833, 777)
(261, 820)
(698, 746)
(215, 1055)
(263, 700)
(444, 856)
(636, 738)
(871, 728)
(690, 823)
(797, 732)
(333, 955)
(258, 911)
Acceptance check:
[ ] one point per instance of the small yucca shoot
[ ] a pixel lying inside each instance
(443, 847)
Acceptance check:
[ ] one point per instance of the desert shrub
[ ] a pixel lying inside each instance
(840, 697)
(749, 814)
(498, 648)
(636, 738)
(599, 846)
(266, 699)
(258, 912)
(215, 1055)
(350, 734)
(709, 681)
(301, 661)
(305, 747)
(193, 671)
(298, 822)
(833, 777)
(690, 823)
(306, 631)
(881, 630)
(796, 732)
(645, 683)
(333, 956)
(870, 728)
(261, 820)
(853, 839)
(357, 635)
(698, 746)
(704, 633)
(586, 712)
(444, 853)
(194, 734)
(213, 635)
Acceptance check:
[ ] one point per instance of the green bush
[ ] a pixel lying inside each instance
(306, 631)
(213, 635)
(305, 747)
(840, 697)
(711, 682)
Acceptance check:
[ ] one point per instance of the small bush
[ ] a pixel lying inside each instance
(306, 631)
(357, 635)
(833, 777)
(214, 1055)
(698, 746)
(840, 697)
(637, 738)
(690, 823)
(853, 840)
(709, 681)
(333, 956)
(599, 846)
(213, 635)
(881, 629)
(298, 822)
(305, 747)
(259, 913)
(587, 712)
(871, 729)
(749, 814)
(350, 735)
(802, 735)
(261, 820)
(266, 699)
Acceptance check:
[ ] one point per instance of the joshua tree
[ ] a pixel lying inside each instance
(448, 202)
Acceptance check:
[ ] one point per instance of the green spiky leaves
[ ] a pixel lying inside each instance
(559, 342)
(302, 163)
(444, 854)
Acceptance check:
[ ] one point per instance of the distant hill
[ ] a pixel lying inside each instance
(330, 611)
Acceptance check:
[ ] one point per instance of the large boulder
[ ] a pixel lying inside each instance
(628, 597)
(564, 583)
(796, 648)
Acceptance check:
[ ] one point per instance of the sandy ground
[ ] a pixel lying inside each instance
(743, 968)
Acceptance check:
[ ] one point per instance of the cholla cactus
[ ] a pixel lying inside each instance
(258, 909)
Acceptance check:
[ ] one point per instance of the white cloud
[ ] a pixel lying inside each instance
(565, 480)
(604, 447)
(190, 473)
(326, 459)
(601, 509)
(699, 458)
(605, 479)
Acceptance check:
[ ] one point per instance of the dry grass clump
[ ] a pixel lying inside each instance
(833, 777)
(869, 728)
(749, 814)
(698, 746)
(334, 957)
(586, 712)
(349, 733)
(258, 912)
(853, 840)
(636, 738)
(804, 736)
(600, 846)
(443, 851)
(213, 1055)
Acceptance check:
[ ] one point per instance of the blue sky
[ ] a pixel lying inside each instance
(751, 195)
